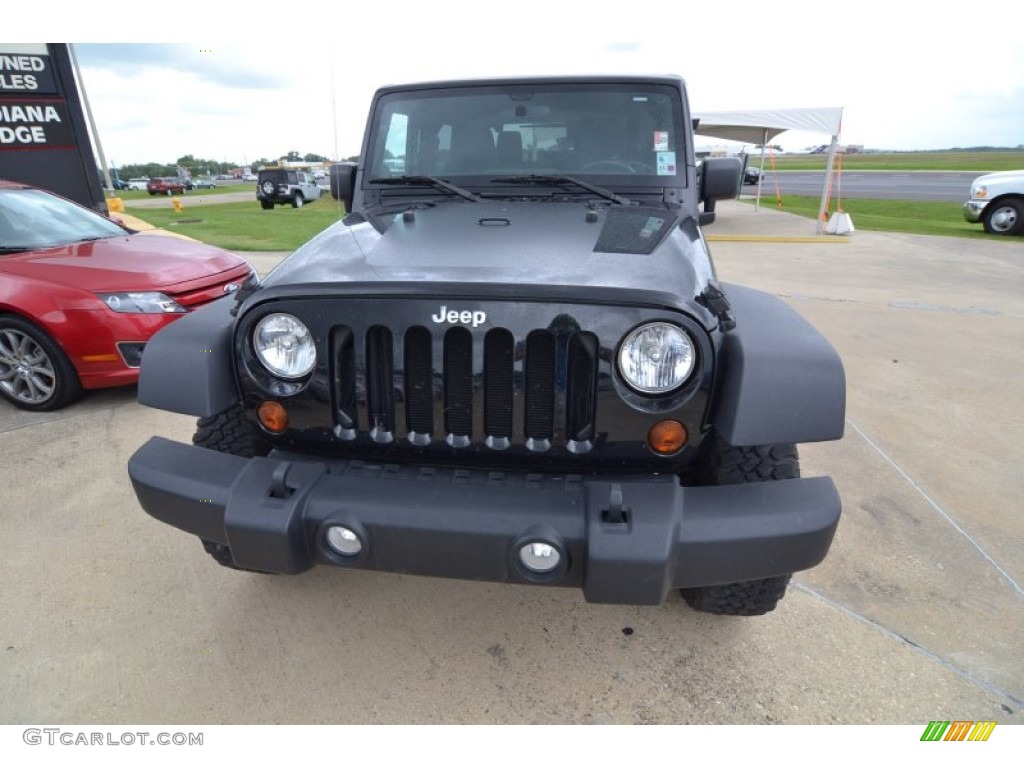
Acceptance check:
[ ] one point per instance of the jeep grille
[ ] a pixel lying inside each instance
(395, 381)
(507, 394)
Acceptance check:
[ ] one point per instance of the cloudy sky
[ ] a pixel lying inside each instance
(909, 75)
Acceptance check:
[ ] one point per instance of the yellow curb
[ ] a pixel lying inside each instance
(133, 222)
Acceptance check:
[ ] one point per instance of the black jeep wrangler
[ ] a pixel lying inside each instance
(511, 361)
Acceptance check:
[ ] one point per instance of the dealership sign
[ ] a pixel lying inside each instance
(31, 123)
(23, 73)
(43, 138)
(35, 125)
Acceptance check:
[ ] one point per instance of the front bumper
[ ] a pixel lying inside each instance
(974, 210)
(626, 540)
(93, 339)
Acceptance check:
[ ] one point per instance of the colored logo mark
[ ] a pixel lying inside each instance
(958, 730)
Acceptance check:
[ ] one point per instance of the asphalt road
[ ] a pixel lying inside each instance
(917, 185)
(916, 615)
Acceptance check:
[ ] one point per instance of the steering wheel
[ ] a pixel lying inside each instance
(616, 166)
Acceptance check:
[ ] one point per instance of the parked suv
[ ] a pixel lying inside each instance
(511, 361)
(166, 186)
(278, 186)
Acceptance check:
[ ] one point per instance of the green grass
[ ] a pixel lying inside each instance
(920, 218)
(904, 161)
(246, 226)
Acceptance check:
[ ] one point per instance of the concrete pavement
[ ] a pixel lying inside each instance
(112, 617)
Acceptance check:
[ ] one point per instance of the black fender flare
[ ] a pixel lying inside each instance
(187, 367)
(782, 381)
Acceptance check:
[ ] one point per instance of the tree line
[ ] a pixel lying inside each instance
(200, 167)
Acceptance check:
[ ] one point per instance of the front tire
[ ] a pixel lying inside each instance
(1005, 217)
(298, 200)
(741, 598)
(229, 432)
(724, 464)
(35, 374)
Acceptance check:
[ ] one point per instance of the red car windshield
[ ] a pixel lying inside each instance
(31, 219)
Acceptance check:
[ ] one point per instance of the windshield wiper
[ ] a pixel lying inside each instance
(552, 179)
(432, 181)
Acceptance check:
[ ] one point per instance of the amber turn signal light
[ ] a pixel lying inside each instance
(667, 437)
(272, 416)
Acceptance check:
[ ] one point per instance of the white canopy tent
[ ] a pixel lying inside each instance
(759, 126)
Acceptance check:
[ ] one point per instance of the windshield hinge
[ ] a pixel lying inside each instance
(718, 305)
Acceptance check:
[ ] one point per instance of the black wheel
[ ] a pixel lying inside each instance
(229, 432)
(268, 187)
(266, 206)
(1005, 217)
(35, 374)
(298, 200)
(742, 598)
(724, 464)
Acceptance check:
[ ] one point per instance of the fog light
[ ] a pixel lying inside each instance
(273, 416)
(667, 437)
(344, 541)
(539, 557)
(131, 353)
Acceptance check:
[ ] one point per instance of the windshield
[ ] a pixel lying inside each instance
(627, 133)
(31, 218)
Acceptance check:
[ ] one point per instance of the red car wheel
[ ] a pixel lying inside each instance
(35, 374)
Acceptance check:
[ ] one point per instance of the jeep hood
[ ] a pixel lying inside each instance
(521, 243)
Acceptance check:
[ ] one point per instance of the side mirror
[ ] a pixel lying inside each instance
(343, 183)
(720, 178)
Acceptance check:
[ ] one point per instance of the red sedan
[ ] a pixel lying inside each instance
(80, 295)
(165, 187)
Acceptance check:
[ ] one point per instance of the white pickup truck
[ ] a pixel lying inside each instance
(997, 200)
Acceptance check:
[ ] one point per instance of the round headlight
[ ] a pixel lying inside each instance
(285, 346)
(656, 358)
